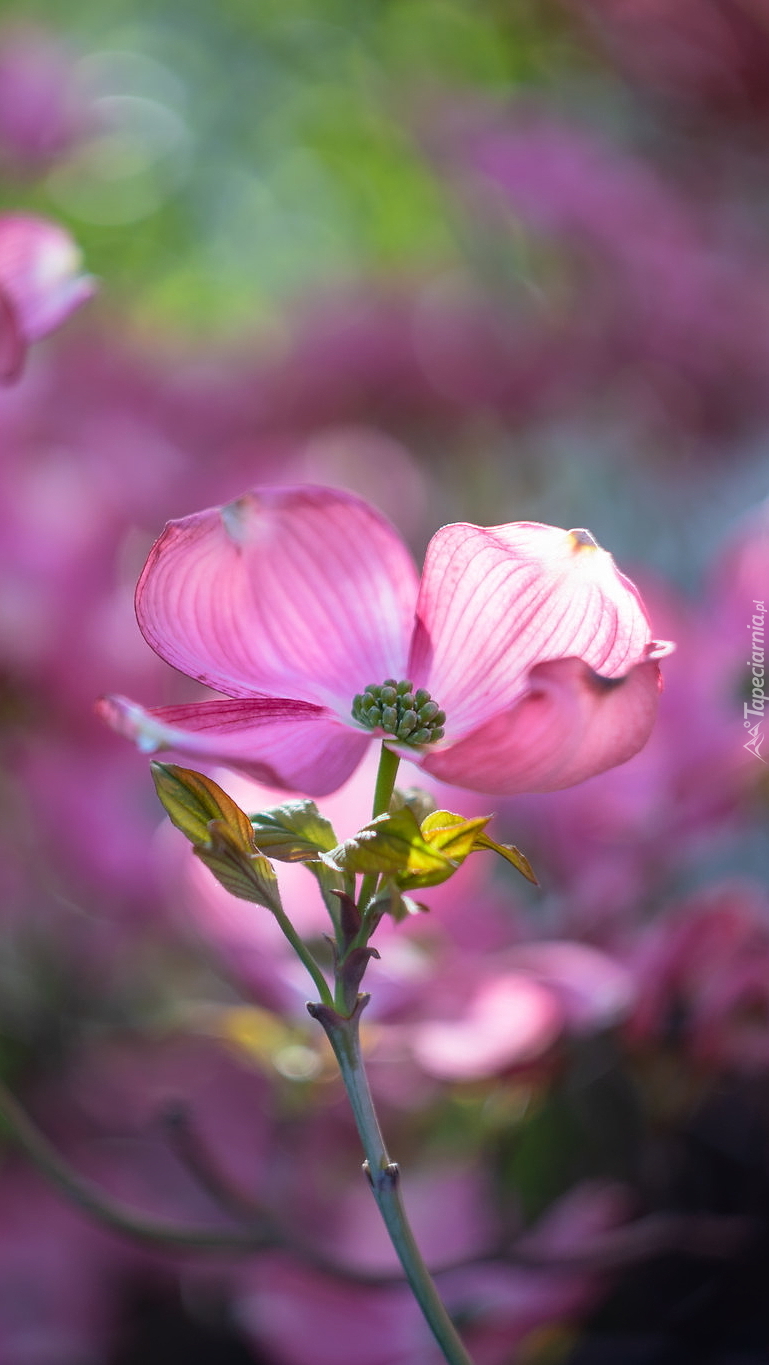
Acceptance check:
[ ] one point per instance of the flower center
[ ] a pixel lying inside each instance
(412, 717)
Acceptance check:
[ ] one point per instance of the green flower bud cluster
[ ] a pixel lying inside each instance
(411, 717)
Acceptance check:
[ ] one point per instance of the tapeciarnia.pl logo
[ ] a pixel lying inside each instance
(754, 710)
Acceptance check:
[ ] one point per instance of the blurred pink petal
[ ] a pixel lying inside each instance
(593, 989)
(702, 973)
(39, 271)
(511, 1021)
(286, 744)
(303, 1317)
(58, 1272)
(578, 1219)
(40, 112)
(498, 1304)
(669, 299)
(12, 348)
(304, 592)
(570, 724)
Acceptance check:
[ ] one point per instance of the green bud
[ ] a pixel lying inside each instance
(409, 716)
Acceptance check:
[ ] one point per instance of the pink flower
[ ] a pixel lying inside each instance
(534, 652)
(40, 284)
(518, 1006)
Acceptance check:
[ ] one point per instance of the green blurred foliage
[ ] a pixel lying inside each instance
(267, 150)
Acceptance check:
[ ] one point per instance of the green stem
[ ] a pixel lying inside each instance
(389, 763)
(387, 772)
(303, 952)
(384, 1176)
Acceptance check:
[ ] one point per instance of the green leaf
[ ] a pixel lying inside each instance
(511, 854)
(192, 801)
(457, 837)
(222, 834)
(393, 845)
(294, 832)
(249, 876)
(452, 834)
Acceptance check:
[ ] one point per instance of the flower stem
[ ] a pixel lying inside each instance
(304, 954)
(384, 1176)
(389, 763)
(387, 772)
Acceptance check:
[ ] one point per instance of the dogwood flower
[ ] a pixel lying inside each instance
(40, 284)
(523, 660)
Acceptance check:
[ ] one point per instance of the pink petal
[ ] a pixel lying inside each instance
(302, 1316)
(284, 744)
(302, 592)
(39, 271)
(12, 347)
(510, 1022)
(577, 1220)
(495, 602)
(593, 989)
(570, 724)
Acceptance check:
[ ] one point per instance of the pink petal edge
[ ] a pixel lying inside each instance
(570, 724)
(280, 743)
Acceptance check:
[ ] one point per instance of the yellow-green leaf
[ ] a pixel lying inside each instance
(192, 801)
(222, 834)
(511, 853)
(249, 876)
(452, 834)
(457, 837)
(393, 845)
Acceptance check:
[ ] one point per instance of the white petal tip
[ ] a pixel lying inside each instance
(236, 519)
(582, 540)
(659, 649)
